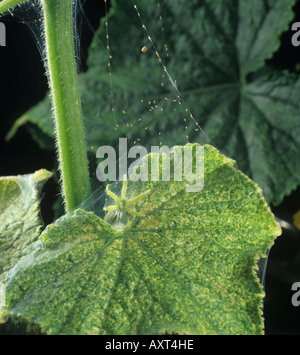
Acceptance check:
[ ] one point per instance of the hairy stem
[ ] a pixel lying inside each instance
(9, 4)
(62, 73)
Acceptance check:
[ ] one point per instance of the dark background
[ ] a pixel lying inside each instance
(23, 84)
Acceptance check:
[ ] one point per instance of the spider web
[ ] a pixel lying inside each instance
(29, 13)
(158, 91)
(151, 105)
(167, 97)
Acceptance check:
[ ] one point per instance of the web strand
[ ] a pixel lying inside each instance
(173, 82)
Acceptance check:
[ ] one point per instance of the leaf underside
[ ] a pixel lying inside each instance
(20, 222)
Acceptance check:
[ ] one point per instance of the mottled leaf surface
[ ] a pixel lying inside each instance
(185, 265)
(20, 222)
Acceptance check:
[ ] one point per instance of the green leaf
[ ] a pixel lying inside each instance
(212, 49)
(20, 223)
(185, 261)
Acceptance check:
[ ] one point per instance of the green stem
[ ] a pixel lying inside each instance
(8, 4)
(66, 101)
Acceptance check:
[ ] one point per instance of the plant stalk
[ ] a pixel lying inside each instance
(6, 5)
(63, 82)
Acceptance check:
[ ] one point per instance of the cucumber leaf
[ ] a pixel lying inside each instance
(182, 262)
(20, 223)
